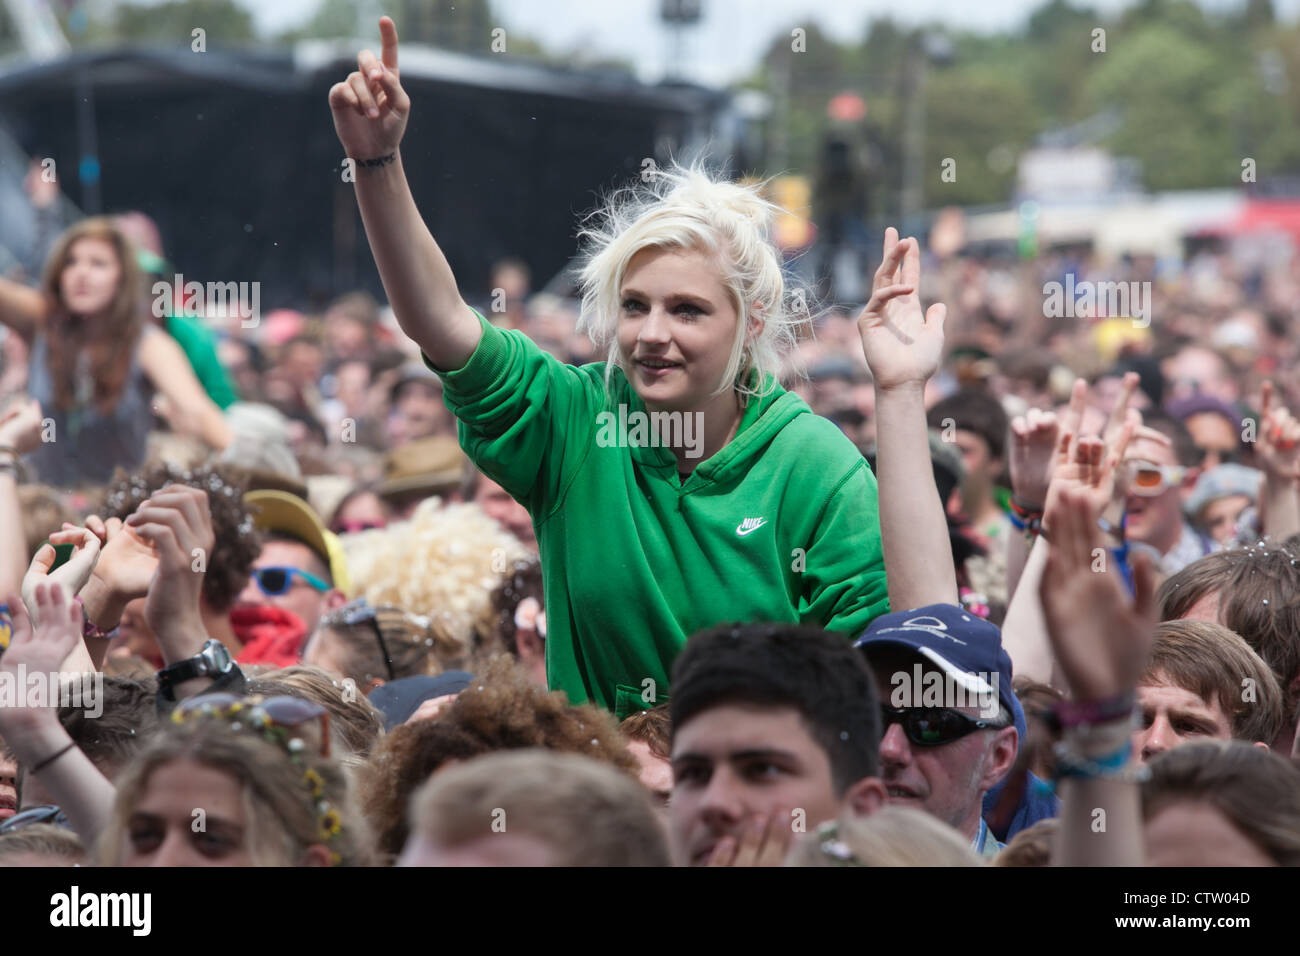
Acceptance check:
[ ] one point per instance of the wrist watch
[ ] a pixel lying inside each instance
(213, 661)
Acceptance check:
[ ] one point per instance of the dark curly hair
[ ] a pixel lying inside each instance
(502, 709)
(237, 542)
(524, 580)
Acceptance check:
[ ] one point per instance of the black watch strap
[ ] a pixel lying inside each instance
(182, 671)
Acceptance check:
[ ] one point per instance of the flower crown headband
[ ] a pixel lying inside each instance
(275, 719)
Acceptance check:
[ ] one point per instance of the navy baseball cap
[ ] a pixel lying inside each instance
(399, 699)
(960, 644)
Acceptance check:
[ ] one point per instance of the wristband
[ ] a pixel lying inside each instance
(1018, 509)
(1112, 766)
(1069, 714)
(52, 757)
(91, 631)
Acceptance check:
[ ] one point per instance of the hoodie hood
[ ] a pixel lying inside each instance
(762, 420)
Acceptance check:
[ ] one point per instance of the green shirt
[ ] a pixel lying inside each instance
(200, 347)
(780, 525)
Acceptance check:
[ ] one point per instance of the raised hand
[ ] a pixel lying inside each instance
(20, 426)
(1100, 638)
(72, 575)
(1033, 455)
(903, 346)
(177, 523)
(43, 642)
(127, 562)
(1092, 464)
(37, 648)
(1121, 414)
(370, 107)
(1278, 443)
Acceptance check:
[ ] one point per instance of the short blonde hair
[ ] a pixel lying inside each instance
(686, 208)
(587, 812)
(892, 836)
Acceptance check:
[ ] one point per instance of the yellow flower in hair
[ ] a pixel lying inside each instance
(330, 824)
(314, 781)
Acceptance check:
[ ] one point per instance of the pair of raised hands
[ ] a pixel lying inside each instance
(160, 553)
(1100, 637)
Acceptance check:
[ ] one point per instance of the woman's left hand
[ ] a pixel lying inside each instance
(903, 345)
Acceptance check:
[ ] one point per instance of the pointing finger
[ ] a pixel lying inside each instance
(388, 35)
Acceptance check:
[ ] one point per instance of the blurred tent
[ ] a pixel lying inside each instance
(234, 154)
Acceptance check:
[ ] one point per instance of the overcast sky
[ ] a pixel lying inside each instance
(733, 33)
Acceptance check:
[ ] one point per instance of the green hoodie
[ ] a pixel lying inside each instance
(780, 525)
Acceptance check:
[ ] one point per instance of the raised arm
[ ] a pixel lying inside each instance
(188, 408)
(903, 348)
(1278, 452)
(370, 113)
(1101, 641)
(20, 432)
(22, 308)
(32, 730)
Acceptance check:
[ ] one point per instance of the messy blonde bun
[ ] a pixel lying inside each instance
(687, 208)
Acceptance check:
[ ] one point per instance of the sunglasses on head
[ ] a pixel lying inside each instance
(43, 814)
(271, 715)
(276, 581)
(1148, 480)
(934, 726)
(357, 612)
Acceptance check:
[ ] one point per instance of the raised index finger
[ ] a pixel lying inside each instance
(388, 33)
(1120, 412)
(1265, 401)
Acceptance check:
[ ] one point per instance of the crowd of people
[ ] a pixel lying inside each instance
(928, 582)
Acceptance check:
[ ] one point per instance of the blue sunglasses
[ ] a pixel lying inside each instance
(276, 581)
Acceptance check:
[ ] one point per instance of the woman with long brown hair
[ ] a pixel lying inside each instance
(95, 360)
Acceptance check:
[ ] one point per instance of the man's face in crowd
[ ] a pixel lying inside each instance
(345, 335)
(301, 598)
(947, 781)
(303, 364)
(656, 773)
(1215, 436)
(1197, 369)
(510, 514)
(1173, 715)
(1156, 520)
(981, 467)
(737, 764)
(421, 411)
